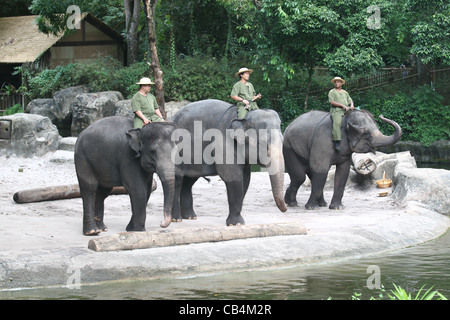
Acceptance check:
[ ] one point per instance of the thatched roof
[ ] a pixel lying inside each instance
(21, 41)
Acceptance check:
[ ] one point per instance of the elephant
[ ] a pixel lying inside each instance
(308, 150)
(226, 146)
(109, 153)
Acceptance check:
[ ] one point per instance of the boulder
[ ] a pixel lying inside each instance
(437, 152)
(27, 135)
(429, 187)
(64, 101)
(90, 107)
(172, 107)
(388, 162)
(123, 108)
(59, 108)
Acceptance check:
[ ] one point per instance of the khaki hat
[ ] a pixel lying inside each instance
(338, 78)
(145, 81)
(242, 70)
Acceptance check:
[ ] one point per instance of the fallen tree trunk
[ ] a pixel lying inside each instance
(60, 193)
(144, 240)
(54, 193)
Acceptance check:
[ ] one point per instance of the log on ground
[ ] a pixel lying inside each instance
(164, 238)
(54, 193)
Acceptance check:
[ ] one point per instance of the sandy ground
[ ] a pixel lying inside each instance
(40, 241)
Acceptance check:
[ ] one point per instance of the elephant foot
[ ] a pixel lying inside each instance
(177, 220)
(91, 229)
(101, 225)
(338, 206)
(235, 220)
(189, 216)
(312, 206)
(131, 227)
(323, 204)
(291, 203)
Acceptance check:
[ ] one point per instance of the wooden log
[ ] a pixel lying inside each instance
(164, 238)
(54, 193)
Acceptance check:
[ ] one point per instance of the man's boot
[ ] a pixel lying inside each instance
(336, 145)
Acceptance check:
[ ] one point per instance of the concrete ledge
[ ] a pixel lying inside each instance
(164, 238)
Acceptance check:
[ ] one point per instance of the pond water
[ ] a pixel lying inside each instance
(410, 268)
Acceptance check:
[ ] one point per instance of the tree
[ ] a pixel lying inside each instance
(149, 9)
(132, 10)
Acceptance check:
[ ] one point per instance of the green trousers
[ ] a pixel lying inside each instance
(336, 116)
(242, 112)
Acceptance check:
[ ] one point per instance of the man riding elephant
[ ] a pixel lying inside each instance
(244, 93)
(340, 103)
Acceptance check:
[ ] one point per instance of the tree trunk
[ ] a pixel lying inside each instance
(310, 74)
(132, 12)
(149, 8)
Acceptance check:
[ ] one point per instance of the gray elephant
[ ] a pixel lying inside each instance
(308, 150)
(215, 142)
(111, 153)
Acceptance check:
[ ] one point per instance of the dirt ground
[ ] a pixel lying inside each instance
(48, 235)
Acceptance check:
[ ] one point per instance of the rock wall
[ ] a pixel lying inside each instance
(437, 152)
(28, 135)
(75, 108)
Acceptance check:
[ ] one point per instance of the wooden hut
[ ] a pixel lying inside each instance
(21, 42)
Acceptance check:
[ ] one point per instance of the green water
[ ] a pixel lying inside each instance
(411, 268)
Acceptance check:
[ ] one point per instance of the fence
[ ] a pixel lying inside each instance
(10, 99)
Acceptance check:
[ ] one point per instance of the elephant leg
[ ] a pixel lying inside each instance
(247, 176)
(318, 180)
(88, 195)
(176, 212)
(340, 180)
(235, 193)
(297, 175)
(100, 196)
(186, 202)
(138, 197)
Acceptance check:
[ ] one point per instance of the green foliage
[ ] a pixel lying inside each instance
(419, 111)
(401, 294)
(198, 78)
(17, 108)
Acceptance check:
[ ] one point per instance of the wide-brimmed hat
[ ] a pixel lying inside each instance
(242, 70)
(145, 81)
(338, 78)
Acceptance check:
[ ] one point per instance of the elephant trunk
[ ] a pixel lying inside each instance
(380, 140)
(168, 184)
(276, 172)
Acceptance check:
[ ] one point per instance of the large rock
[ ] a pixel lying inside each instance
(437, 152)
(27, 135)
(59, 108)
(123, 108)
(429, 187)
(90, 107)
(172, 107)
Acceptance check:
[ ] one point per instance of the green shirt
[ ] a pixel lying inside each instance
(244, 91)
(147, 105)
(340, 97)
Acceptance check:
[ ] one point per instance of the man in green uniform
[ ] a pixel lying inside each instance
(144, 105)
(244, 93)
(340, 103)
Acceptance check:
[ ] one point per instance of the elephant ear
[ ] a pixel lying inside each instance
(355, 132)
(134, 141)
(238, 124)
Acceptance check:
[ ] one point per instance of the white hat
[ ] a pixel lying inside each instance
(242, 70)
(338, 78)
(145, 81)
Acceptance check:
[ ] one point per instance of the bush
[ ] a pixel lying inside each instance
(419, 111)
(17, 108)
